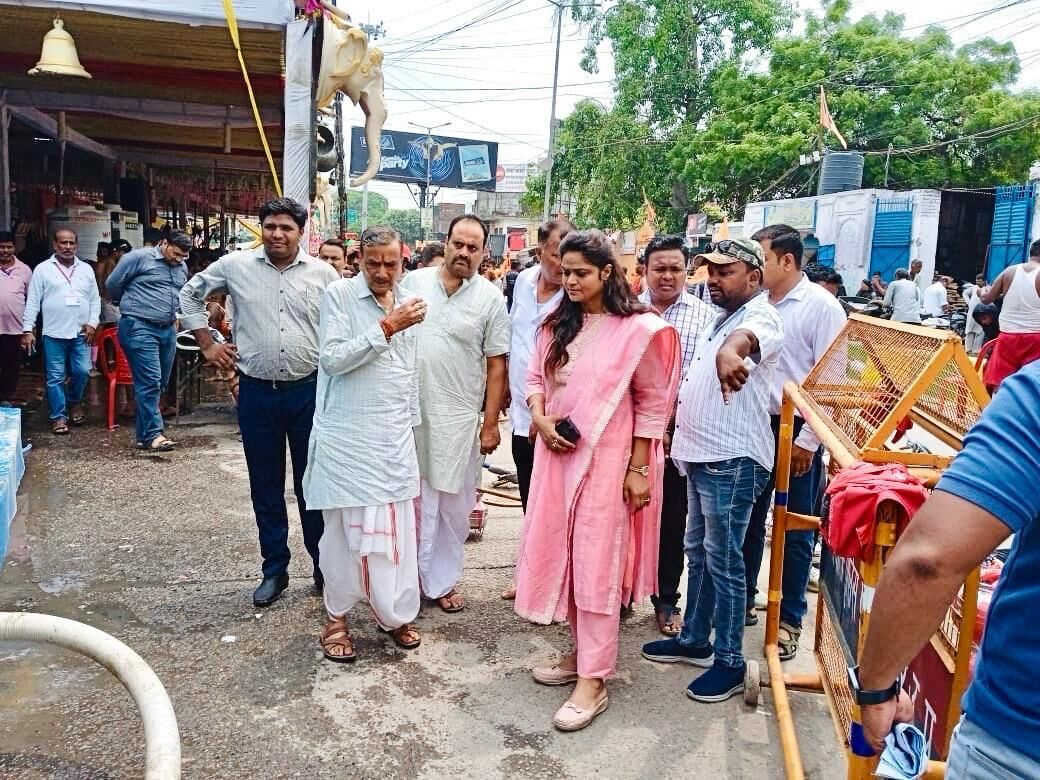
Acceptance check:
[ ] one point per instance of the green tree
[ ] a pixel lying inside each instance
(377, 209)
(406, 222)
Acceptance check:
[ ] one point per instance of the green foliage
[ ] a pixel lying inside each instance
(377, 208)
(405, 221)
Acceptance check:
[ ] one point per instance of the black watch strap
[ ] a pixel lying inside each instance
(868, 697)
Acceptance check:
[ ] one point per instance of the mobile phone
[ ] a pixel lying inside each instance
(568, 430)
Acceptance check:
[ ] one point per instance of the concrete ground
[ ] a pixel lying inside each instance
(161, 552)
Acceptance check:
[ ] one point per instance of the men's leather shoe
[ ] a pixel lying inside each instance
(270, 589)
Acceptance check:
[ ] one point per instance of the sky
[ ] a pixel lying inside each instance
(486, 66)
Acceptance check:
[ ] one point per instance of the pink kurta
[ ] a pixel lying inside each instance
(580, 540)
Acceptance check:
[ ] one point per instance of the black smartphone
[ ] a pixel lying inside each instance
(568, 431)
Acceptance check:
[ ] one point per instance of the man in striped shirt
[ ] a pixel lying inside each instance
(665, 259)
(724, 446)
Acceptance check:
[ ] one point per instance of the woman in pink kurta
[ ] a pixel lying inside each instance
(611, 368)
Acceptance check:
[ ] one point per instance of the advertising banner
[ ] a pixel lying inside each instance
(461, 163)
(511, 177)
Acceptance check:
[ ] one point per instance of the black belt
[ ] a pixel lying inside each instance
(280, 384)
(154, 323)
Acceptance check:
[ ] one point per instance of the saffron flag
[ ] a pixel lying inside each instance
(827, 121)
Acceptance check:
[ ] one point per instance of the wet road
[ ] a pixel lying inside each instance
(161, 552)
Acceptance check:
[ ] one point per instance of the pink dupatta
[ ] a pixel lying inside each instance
(599, 381)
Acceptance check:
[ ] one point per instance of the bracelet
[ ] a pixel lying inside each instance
(388, 329)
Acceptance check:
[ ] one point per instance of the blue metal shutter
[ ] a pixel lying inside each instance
(890, 247)
(825, 255)
(1012, 225)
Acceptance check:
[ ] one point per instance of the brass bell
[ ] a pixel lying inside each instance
(58, 56)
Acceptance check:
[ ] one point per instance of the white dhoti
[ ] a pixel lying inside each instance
(368, 554)
(443, 529)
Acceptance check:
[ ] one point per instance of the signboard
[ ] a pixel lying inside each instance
(460, 163)
(511, 177)
(696, 225)
(799, 214)
(444, 213)
(426, 218)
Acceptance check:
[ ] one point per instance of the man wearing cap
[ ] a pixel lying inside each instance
(724, 446)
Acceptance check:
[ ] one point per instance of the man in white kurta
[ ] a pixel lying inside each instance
(462, 367)
(361, 468)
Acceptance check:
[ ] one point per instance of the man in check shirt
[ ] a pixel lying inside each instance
(665, 258)
(723, 444)
(812, 318)
(65, 290)
(277, 292)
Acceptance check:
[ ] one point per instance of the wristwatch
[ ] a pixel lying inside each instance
(644, 470)
(868, 697)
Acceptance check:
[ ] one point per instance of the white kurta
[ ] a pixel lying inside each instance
(460, 332)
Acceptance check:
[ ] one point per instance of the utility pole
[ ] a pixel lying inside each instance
(425, 186)
(888, 159)
(552, 113)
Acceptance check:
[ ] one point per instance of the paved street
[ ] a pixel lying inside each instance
(160, 551)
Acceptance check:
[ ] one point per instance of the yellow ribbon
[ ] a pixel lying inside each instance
(229, 13)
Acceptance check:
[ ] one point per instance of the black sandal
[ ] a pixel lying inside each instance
(60, 427)
(399, 634)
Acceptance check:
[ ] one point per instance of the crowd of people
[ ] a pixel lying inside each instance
(644, 425)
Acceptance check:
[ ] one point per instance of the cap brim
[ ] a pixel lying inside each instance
(714, 257)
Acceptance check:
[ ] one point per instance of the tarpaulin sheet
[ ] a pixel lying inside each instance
(12, 467)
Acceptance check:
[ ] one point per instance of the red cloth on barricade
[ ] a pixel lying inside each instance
(855, 494)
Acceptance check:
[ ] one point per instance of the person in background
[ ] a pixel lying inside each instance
(986, 495)
(877, 284)
(723, 444)
(832, 282)
(432, 254)
(639, 279)
(103, 255)
(334, 253)
(666, 261)
(277, 291)
(510, 284)
(15, 278)
(915, 270)
(904, 297)
(120, 248)
(812, 319)
(147, 284)
(462, 363)
(536, 293)
(1018, 287)
(362, 470)
(936, 298)
(973, 332)
(152, 237)
(65, 290)
(605, 369)
(865, 290)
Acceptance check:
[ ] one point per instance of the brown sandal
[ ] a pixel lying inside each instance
(59, 427)
(335, 636)
(452, 601)
(669, 623)
(406, 637)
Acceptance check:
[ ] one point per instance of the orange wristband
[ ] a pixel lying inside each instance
(388, 329)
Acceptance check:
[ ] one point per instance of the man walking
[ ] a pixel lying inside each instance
(277, 292)
(462, 362)
(147, 285)
(985, 495)
(362, 470)
(936, 298)
(15, 277)
(723, 444)
(1019, 340)
(904, 297)
(65, 290)
(812, 318)
(665, 258)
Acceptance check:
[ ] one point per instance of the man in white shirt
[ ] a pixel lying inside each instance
(904, 297)
(812, 318)
(65, 290)
(362, 470)
(665, 259)
(936, 298)
(723, 444)
(462, 362)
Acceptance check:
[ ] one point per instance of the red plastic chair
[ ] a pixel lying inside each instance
(114, 367)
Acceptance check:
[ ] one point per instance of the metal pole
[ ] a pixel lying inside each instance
(5, 168)
(341, 174)
(552, 114)
(364, 207)
(888, 158)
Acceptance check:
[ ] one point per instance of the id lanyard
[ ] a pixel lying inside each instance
(67, 277)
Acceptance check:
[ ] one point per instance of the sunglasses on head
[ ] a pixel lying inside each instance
(733, 249)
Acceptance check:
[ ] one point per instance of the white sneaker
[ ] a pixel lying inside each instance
(814, 580)
(761, 601)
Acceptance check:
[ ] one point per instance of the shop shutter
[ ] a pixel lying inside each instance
(1012, 226)
(890, 247)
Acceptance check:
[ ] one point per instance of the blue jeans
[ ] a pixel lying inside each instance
(721, 496)
(150, 349)
(975, 754)
(62, 357)
(803, 497)
(267, 417)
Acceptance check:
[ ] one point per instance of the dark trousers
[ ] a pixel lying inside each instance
(523, 457)
(803, 498)
(10, 365)
(268, 417)
(671, 559)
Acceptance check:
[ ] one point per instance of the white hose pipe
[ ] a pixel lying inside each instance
(161, 737)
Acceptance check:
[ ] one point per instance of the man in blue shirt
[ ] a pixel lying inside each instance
(988, 492)
(147, 284)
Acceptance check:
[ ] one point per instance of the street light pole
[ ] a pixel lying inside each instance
(425, 187)
(552, 113)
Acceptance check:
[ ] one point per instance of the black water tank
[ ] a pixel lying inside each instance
(841, 171)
